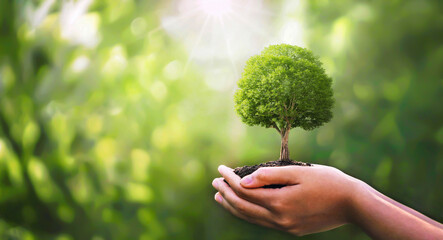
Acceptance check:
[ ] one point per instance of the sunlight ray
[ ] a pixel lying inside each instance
(253, 10)
(173, 21)
(221, 33)
(212, 41)
(249, 24)
(228, 47)
(197, 42)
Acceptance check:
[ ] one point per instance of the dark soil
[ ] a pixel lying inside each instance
(246, 170)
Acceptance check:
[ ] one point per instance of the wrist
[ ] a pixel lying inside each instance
(360, 193)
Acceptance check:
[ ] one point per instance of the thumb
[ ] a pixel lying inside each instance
(288, 175)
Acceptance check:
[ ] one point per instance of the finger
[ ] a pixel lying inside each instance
(219, 198)
(287, 175)
(259, 196)
(242, 206)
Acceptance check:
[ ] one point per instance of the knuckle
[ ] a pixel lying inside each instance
(262, 173)
(277, 205)
(241, 208)
(297, 233)
(240, 191)
(285, 223)
(222, 189)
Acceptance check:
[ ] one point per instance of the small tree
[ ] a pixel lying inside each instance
(284, 87)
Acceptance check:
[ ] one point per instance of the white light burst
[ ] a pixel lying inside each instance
(221, 35)
(216, 8)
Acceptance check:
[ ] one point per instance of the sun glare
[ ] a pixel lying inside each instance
(215, 8)
(220, 35)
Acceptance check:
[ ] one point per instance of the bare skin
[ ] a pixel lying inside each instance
(317, 199)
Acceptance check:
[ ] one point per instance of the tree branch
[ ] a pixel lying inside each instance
(274, 125)
(292, 103)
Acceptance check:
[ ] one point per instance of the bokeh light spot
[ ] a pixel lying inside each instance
(136, 192)
(14, 170)
(363, 91)
(140, 162)
(193, 170)
(158, 90)
(105, 150)
(39, 175)
(173, 70)
(7, 78)
(80, 64)
(138, 26)
(30, 135)
(2, 149)
(94, 124)
(66, 213)
(339, 35)
(116, 62)
(391, 91)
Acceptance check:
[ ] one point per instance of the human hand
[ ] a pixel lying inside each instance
(315, 199)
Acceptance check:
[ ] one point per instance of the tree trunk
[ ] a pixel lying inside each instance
(284, 150)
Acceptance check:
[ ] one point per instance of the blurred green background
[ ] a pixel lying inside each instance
(114, 114)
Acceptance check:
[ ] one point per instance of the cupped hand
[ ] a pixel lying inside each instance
(314, 199)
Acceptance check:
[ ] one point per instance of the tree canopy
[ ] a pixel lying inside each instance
(284, 87)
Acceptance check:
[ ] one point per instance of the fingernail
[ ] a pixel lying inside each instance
(218, 198)
(246, 180)
(215, 183)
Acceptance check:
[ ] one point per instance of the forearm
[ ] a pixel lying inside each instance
(408, 209)
(383, 218)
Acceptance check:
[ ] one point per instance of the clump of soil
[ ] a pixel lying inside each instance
(246, 170)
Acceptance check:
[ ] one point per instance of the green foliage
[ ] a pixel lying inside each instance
(123, 147)
(284, 87)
